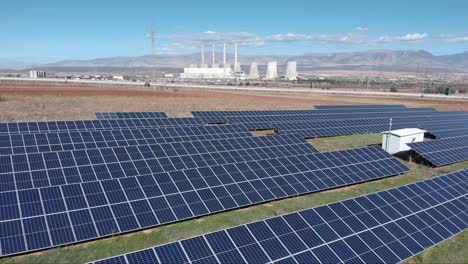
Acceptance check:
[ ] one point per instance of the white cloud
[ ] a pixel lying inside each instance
(458, 40)
(361, 29)
(405, 38)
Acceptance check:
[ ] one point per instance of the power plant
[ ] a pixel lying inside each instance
(214, 71)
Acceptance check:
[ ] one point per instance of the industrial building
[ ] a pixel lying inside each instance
(226, 71)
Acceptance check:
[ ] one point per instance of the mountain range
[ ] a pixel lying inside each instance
(387, 60)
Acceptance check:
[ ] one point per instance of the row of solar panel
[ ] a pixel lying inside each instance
(24, 171)
(202, 114)
(89, 125)
(130, 115)
(442, 152)
(47, 142)
(348, 127)
(450, 133)
(384, 227)
(51, 216)
(323, 116)
(358, 106)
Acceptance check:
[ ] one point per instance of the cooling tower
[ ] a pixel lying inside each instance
(215, 65)
(253, 75)
(193, 66)
(272, 70)
(291, 71)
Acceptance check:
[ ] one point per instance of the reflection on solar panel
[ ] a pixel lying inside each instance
(129, 115)
(358, 106)
(443, 151)
(47, 142)
(91, 125)
(45, 217)
(25, 171)
(383, 227)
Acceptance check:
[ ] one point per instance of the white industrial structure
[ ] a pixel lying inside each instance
(291, 71)
(253, 74)
(215, 71)
(237, 67)
(205, 72)
(396, 141)
(272, 70)
(37, 74)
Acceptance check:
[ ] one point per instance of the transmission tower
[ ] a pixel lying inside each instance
(152, 36)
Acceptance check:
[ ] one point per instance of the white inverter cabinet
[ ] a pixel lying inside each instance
(396, 140)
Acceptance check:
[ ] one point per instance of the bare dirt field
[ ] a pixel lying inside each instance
(25, 102)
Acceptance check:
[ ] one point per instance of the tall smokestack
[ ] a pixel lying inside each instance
(213, 59)
(203, 54)
(224, 53)
(237, 67)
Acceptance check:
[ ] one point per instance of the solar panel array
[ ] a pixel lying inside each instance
(325, 116)
(359, 106)
(64, 182)
(129, 115)
(383, 227)
(442, 152)
(116, 195)
(91, 125)
(47, 142)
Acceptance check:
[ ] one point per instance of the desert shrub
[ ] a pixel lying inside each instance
(393, 90)
(2, 99)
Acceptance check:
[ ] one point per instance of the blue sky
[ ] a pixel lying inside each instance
(51, 30)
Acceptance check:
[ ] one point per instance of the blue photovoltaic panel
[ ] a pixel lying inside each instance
(122, 196)
(48, 142)
(91, 125)
(442, 152)
(384, 227)
(358, 106)
(353, 126)
(129, 115)
(332, 116)
(450, 133)
(250, 113)
(25, 171)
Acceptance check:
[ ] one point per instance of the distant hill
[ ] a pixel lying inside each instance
(387, 60)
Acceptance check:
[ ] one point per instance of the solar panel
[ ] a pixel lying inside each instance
(129, 196)
(442, 152)
(358, 106)
(450, 133)
(330, 116)
(129, 115)
(250, 113)
(47, 142)
(384, 227)
(352, 126)
(25, 171)
(298, 112)
(91, 125)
